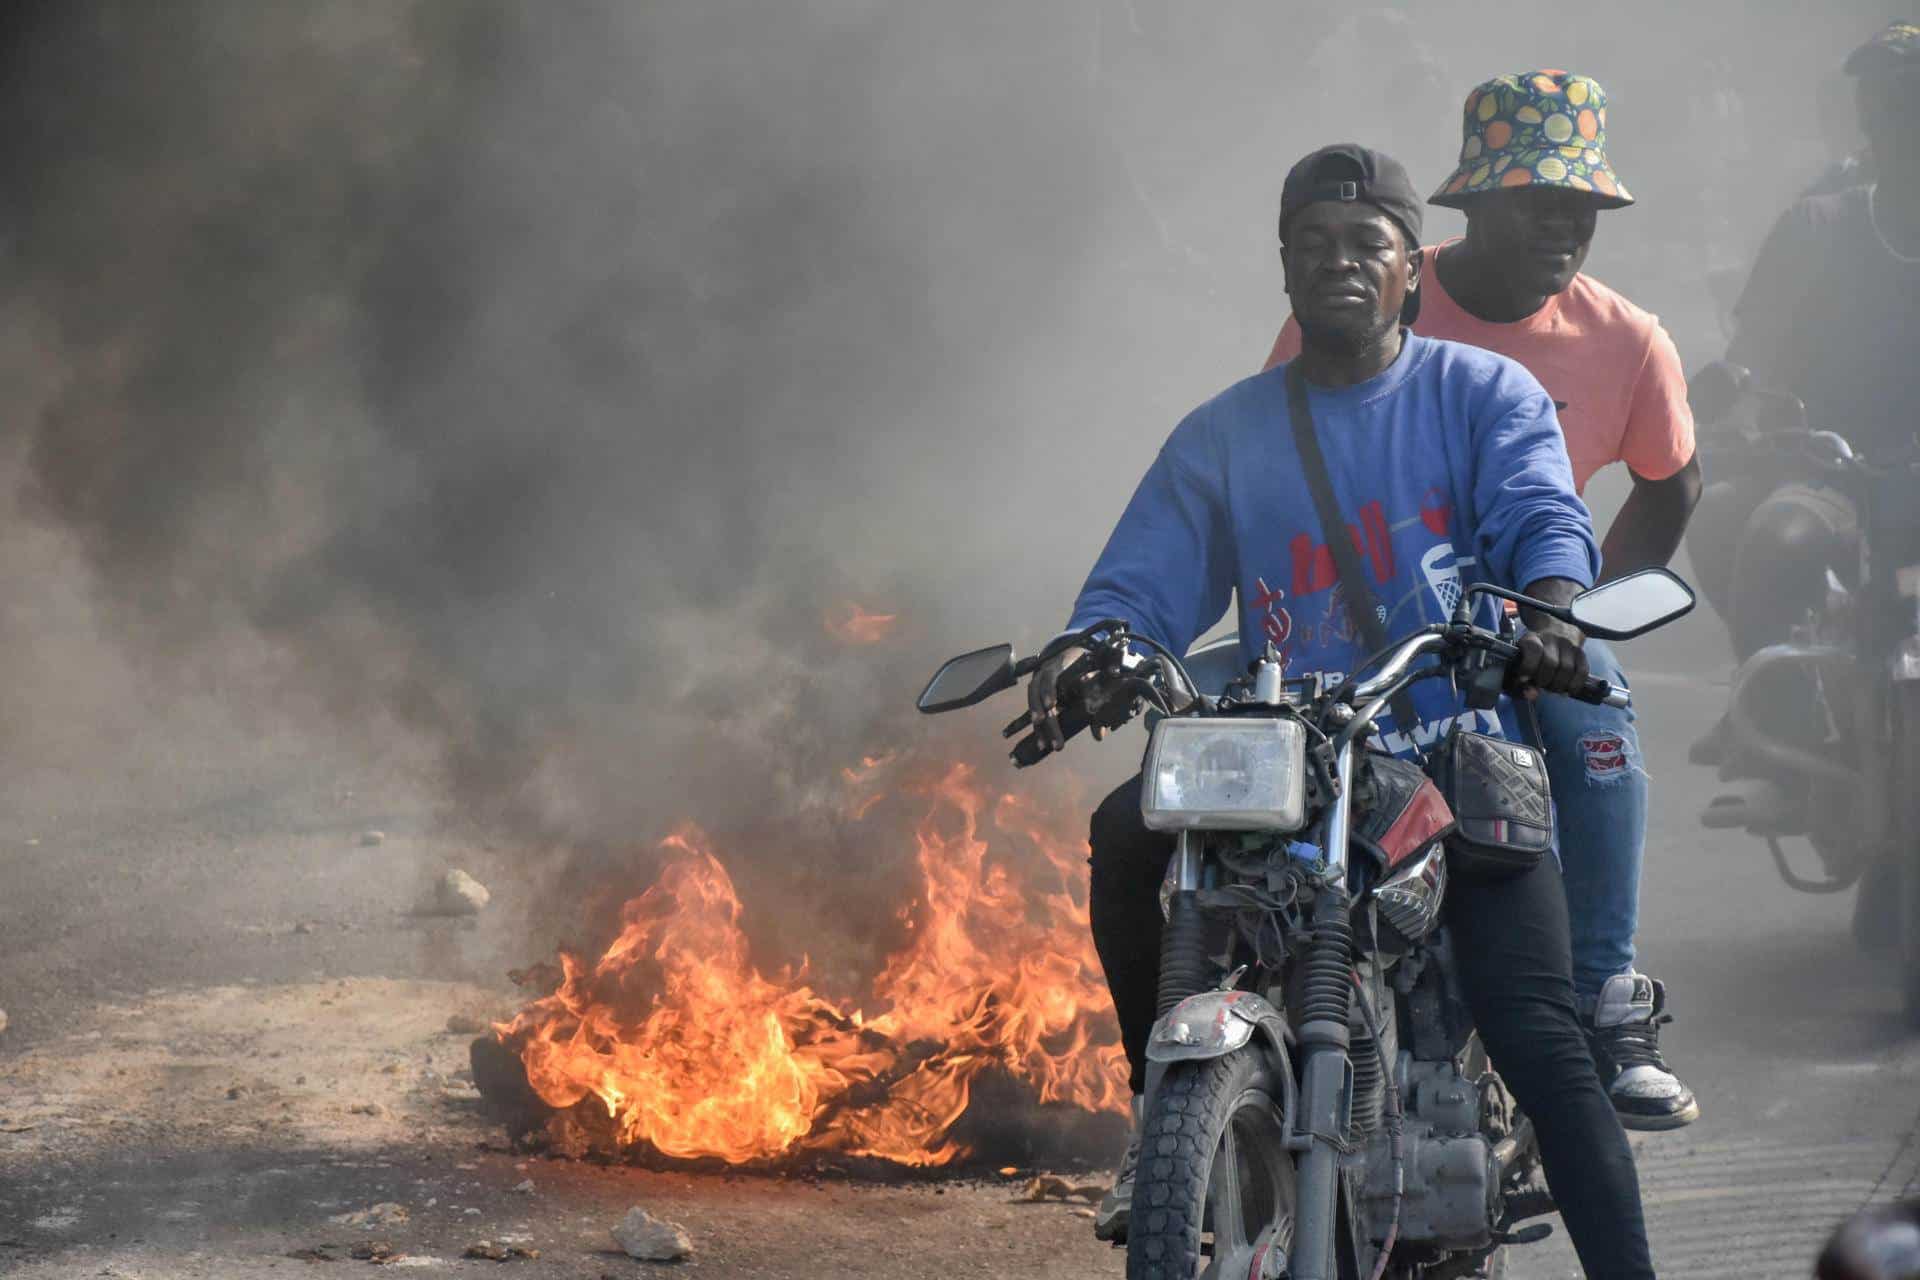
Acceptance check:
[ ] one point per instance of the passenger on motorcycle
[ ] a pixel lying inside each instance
(1442, 456)
(1828, 315)
(1513, 285)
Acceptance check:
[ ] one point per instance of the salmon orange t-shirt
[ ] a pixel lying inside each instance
(1610, 367)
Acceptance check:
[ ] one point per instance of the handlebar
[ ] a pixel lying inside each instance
(1601, 694)
(1121, 681)
(1394, 674)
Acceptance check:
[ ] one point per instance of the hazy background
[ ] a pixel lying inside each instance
(495, 396)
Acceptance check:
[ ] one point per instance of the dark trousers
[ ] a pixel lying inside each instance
(1510, 944)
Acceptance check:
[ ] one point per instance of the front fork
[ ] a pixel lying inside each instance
(1322, 1114)
(1325, 1113)
(1185, 969)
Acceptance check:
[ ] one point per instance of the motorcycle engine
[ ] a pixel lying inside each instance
(1452, 1184)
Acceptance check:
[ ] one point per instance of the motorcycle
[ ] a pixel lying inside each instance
(1313, 1072)
(1822, 731)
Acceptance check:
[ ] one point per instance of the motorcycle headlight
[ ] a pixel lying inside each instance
(1226, 775)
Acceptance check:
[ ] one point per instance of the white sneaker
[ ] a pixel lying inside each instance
(1110, 1219)
(1624, 1033)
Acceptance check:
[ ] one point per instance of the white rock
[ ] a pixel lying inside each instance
(524, 1188)
(372, 839)
(3, 1019)
(651, 1239)
(456, 894)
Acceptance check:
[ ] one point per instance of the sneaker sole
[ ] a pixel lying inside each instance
(1643, 1123)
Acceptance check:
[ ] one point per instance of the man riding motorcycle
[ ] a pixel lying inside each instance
(1828, 315)
(1442, 455)
(1513, 285)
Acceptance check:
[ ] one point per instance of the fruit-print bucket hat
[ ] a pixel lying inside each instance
(1538, 128)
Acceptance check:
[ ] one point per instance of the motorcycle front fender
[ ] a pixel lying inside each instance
(1214, 1024)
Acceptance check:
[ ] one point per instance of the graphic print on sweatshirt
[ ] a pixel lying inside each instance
(1404, 601)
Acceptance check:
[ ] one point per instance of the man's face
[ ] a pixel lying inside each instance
(1349, 269)
(1537, 237)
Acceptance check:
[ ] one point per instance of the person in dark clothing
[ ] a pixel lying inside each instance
(1829, 315)
(1829, 312)
(1446, 455)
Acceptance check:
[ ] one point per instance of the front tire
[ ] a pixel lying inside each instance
(1214, 1196)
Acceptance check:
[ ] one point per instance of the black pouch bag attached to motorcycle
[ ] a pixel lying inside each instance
(1502, 805)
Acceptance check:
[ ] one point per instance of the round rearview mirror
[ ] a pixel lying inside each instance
(1633, 605)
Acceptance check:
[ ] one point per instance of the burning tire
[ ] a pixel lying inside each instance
(1214, 1194)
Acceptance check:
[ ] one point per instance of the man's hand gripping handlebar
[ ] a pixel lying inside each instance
(1090, 679)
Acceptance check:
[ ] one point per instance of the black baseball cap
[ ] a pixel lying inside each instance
(1347, 171)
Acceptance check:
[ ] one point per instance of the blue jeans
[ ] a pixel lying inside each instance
(1600, 800)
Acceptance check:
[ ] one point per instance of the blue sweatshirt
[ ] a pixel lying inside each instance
(1449, 464)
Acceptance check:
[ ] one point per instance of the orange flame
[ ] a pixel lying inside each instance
(850, 624)
(693, 1051)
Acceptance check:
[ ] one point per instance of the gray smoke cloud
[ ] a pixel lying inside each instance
(508, 390)
(489, 365)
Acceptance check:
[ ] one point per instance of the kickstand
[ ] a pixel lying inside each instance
(1838, 884)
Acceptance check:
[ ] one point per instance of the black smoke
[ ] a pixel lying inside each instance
(519, 384)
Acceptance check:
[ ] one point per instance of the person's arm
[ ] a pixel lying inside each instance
(1167, 570)
(1553, 653)
(1532, 527)
(1658, 448)
(1651, 522)
(1530, 524)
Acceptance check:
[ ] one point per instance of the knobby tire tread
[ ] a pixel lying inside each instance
(1176, 1154)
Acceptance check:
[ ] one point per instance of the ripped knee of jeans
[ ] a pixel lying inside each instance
(1609, 758)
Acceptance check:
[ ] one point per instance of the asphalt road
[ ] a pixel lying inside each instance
(1809, 1081)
